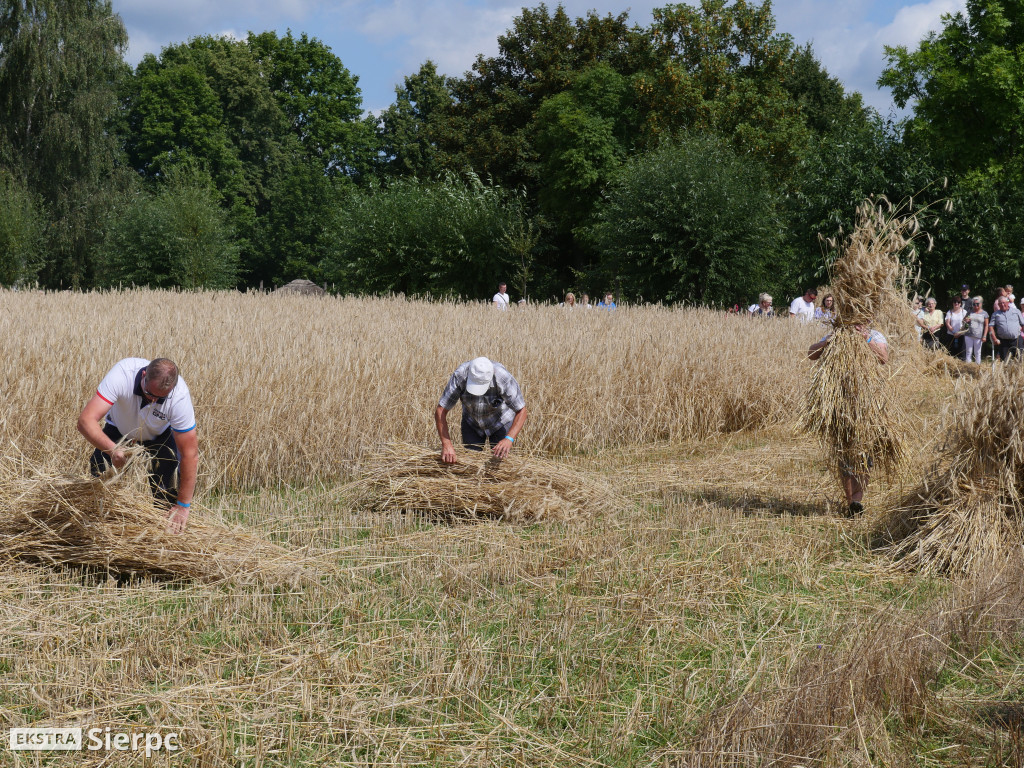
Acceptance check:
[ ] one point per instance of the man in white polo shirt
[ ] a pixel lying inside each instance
(501, 297)
(802, 307)
(147, 403)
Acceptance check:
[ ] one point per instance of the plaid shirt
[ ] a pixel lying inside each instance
(490, 411)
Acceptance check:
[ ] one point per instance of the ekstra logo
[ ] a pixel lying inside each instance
(96, 739)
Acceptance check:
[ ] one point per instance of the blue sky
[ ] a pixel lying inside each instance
(383, 41)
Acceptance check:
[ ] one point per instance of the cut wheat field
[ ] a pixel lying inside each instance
(689, 598)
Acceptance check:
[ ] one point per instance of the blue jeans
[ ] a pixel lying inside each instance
(474, 439)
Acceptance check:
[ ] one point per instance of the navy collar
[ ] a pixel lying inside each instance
(138, 390)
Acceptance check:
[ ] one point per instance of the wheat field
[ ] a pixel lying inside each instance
(298, 389)
(718, 614)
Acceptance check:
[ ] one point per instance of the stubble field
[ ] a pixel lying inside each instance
(723, 614)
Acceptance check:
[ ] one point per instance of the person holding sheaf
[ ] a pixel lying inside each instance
(146, 403)
(493, 408)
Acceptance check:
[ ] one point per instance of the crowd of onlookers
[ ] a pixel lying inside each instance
(501, 300)
(963, 329)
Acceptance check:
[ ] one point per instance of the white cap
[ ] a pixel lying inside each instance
(481, 371)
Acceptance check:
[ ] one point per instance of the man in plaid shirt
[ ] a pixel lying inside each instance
(492, 407)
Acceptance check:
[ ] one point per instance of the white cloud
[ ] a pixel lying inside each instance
(450, 34)
(850, 41)
(913, 23)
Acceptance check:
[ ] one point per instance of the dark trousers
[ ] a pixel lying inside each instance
(955, 344)
(162, 465)
(474, 439)
(1008, 348)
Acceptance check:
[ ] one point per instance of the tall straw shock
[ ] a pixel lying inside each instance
(853, 403)
(967, 513)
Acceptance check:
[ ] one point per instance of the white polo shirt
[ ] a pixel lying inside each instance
(136, 417)
(801, 307)
(501, 299)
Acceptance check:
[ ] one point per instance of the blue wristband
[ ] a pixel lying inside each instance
(510, 439)
(183, 504)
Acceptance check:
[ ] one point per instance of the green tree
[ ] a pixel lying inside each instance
(294, 236)
(442, 237)
(492, 128)
(178, 236)
(320, 98)
(823, 102)
(60, 63)
(964, 85)
(721, 67)
(580, 143)
(692, 221)
(207, 102)
(411, 128)
(21, 232)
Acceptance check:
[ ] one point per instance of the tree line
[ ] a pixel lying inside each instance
(701, 158)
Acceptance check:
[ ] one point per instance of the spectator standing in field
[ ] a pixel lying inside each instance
(585, 301)
(500, 299)
(802, 307)
(1009, 295)
(1000, 294)
(918, 317)
(954, 322)
(977, 331)
(570, 301)
(147, 403)
(931, 323)
(826, 312)
(492, 408)
(855, 478)
(965, 296)
(763, 308)
(608, 303)
(1005, 329)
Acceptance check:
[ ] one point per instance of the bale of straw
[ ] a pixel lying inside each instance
(411, 478)
(968, 510)
(115, 524)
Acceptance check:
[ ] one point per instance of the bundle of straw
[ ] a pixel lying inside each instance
(853, 405)
(946, 365)
(114, 524)
(852, 408)
(875, 271)
(517, 489)
(968, 511)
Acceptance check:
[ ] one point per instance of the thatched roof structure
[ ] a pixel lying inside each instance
(301, 287)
